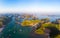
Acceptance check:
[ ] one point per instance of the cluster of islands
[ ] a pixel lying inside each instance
(28, 26)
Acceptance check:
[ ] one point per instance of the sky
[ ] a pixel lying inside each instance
(30, 6)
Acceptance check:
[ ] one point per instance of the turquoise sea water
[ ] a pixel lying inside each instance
(13, 30)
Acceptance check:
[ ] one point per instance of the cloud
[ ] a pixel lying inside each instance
(30, 9)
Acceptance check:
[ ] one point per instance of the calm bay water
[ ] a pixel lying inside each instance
(52, 18)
